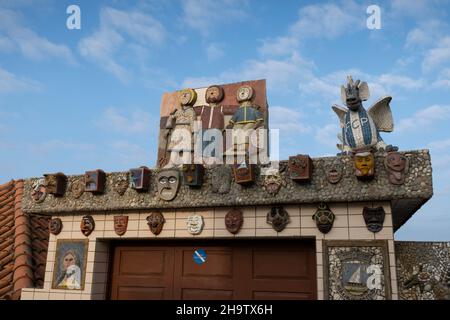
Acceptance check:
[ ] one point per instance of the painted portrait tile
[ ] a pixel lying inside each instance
(70, 264)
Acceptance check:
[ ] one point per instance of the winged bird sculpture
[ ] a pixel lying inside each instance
(360, 128)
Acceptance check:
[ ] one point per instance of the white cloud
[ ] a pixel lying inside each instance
(288, 121)
(327, 135)
(32, 46)
(118, 30)
(130, 154)
(424, 118)
(205, 15)
(215, 51)
(280, 74)
(443, 80)
(317, 21)
(137, 121)
(10, 83)
(437, 56)
(425, 34)
(58, 145)
(440, 145)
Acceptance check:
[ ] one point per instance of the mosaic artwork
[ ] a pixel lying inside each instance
(423, 270)
(356, 270)
(70, 264)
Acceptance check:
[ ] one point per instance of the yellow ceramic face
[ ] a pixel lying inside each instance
(364, 163)
(185, 97)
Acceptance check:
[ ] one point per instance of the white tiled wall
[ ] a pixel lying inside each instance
(349, 225)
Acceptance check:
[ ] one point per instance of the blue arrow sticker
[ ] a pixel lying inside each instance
(199, 256)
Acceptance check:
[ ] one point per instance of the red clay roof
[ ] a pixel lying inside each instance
(23, 243)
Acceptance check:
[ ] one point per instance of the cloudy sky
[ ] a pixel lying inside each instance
(75, 100)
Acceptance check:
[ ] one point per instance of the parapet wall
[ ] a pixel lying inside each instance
(408, 197)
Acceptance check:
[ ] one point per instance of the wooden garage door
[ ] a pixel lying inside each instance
(233, 270)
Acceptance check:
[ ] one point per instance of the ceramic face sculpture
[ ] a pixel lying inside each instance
(156, 222)
(364, 165)
(244, 93)
(77, 188)
(334, 172)
(214, 94)
(374, 218)
(55, 226)
(187, 97)
(273, 181)
(39, 192)
(87, 225)
(324, 218)
(168, 183)
(121, 186)
(278, 218)
(120, 225)
(195, 224)
(234, 220)
(397, 166)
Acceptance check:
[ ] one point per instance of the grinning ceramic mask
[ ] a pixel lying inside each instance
(273, 181)
(87, 225)
(397, 166)
(168, 183)
(194, 224)
(234, 220)
(364, 165)
(156, 222)
(120, 225)
(55, 226)
(278, 218)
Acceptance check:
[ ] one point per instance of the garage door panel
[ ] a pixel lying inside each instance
(258, 295)
(219, 264)
(143, 262)
(140, 293)
(199, 294)
(284, 264)
(243, 270)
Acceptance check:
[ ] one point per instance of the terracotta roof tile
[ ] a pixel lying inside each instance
(23, 243)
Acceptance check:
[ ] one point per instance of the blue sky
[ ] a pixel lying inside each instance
(76, 100)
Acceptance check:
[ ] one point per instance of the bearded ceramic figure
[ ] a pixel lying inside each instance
(55, 226)
(39, 191)
(194, 224)
(168, 183)
(324, 218)
(278, 218)
(87, 225)
(120, 225)
(364, 165)
(272, 182)
(156, 222)
(234, 220)
(374, 218)
(334, 172)
(397, 166)
(220, 179)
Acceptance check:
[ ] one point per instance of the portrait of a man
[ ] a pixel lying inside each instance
(70, 264)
